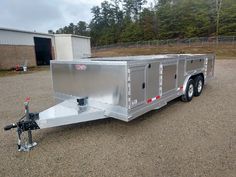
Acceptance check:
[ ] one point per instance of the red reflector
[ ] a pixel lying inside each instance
(149, 100)
(158, 97)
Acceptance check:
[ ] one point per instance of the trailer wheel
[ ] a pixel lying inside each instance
(189, 92)
(198, 85)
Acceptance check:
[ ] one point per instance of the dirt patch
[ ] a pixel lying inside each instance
(30, 70)
(221, 51)
(182, 139)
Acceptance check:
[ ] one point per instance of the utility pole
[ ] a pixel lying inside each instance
(218, 8)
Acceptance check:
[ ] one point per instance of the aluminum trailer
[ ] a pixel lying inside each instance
(119, 87)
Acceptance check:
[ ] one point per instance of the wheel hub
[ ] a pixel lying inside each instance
(190, 90)
(199, 87)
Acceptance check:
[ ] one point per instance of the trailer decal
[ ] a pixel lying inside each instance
(80, 67)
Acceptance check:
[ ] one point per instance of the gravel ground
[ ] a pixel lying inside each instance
(181, 139)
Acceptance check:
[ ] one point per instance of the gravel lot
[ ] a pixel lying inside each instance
(182, 139)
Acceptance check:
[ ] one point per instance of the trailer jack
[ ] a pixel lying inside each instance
(26, 123)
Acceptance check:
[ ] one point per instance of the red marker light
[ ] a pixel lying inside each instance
(27, 99)
(149, 100)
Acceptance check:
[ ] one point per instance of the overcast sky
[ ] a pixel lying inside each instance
(41, 15)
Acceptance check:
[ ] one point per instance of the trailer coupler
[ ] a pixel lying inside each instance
(26, 123)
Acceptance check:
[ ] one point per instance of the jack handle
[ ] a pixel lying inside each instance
(9, 127)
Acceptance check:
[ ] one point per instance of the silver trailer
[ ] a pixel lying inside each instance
(119, 87)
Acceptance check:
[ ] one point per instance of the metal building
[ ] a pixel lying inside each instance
(18, 47)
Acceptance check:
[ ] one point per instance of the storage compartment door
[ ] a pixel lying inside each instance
(137, 86)
(152, 80)
(194, 64)
(169, 77)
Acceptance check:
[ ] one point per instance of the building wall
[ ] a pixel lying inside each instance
(53, 53)
(21, 38)
(63, 47)
(11, 55)
(17, 47)
(72, 47)
(81, 47)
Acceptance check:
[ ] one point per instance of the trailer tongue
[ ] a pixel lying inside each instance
(119, 87)
(65, 113)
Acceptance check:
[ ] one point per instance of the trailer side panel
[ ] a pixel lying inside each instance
(102, 83)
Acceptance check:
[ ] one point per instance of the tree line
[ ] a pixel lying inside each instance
(133, 20)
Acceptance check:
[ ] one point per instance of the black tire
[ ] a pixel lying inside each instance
(198, 85)
(188, 95)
